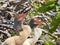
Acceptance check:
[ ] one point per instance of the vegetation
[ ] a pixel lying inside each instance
(49, 11)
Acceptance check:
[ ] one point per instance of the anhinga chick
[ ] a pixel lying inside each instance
(23, 34)
(37, 32)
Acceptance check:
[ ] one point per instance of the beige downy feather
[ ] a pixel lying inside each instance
(32, 41)
(18, 40)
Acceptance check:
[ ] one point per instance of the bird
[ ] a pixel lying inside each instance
(18, 40)
(37, 32)
(22, 30)
(34, 39)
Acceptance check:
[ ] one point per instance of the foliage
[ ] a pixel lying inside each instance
(48, 6)
(49, 43)
(54, 21)
(54, 24)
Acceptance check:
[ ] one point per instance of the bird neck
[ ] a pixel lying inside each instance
(37, 34)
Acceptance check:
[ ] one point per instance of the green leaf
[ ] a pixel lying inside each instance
(54, 24)
(45, 8)
(50, 2)
(48, 6)
(49, 43)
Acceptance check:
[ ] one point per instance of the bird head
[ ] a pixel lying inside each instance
(36, 21)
